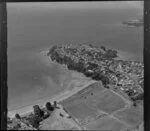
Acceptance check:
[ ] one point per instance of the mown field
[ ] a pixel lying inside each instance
(92, 103)
(78, 107)
(106, 123)
(106, 101)
(131, 115)
(90, 91)
(94, 108)
(82, 112)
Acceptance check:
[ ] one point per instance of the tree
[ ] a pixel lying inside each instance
(138, 97)
(96, 76)
(110, 54)
(9, 121)
(38, 111)
(87, 73)
(105, 80)
(49, 107)
(55, 104)
(80, 66)
(102, 47)
(17, 116)
(107, 87)
(131, 93)
(134, 104)
(35, 121)
(16, 127)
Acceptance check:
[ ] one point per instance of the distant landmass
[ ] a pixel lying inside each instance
(135, 23)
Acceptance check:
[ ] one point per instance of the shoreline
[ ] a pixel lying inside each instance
(122, 55)
(59, 97)
(47, 61)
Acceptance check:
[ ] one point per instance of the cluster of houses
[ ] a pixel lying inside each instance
(126, 75)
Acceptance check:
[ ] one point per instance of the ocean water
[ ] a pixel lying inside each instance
(33, 28)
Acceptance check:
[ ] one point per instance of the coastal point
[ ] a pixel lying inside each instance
(115, 93)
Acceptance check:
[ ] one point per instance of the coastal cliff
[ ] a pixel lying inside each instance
(99, 63)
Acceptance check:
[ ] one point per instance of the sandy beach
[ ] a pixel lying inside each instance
(62, 96)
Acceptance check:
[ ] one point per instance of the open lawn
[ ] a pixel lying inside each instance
(93, 102)
(131, 115)
(106, 123)
(91, 90)
(106, 101)
(82, 112)
(78, 107)
(59, 122)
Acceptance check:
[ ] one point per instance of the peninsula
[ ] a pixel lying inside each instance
(112, 99)
(100, 64)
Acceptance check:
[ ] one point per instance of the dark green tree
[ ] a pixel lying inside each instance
(35, 121)
(17, 116)
(55, 104)
(105, 80)
(37, 111)
(110, 54)
(49, 107)
(103, 48)
(134, 104)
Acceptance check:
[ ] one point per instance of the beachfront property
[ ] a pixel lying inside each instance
(100, 65)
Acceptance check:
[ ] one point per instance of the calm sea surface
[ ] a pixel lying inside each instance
(32, 30)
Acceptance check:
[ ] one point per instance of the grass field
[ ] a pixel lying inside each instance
(92, 102)
(107, 101)
(57, 122)
(82, 112)
(106, 123)
(78, 107)
(89, 91)
(92, 108)
(131, 115)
